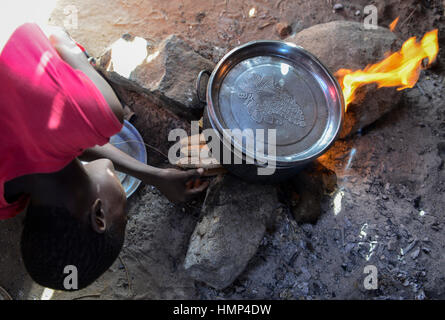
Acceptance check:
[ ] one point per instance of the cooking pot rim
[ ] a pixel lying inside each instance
(303, 156)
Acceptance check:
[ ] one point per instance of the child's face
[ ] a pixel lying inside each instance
(110, 192)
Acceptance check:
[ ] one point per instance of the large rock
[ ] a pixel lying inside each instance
(154, 123)
(346, 44)
(234, 219)
(155, 247)
(165, 72)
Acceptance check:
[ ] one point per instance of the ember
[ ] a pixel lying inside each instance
(393, 24)
(400, 69)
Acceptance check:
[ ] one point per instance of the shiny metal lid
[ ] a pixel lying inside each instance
(276, 85)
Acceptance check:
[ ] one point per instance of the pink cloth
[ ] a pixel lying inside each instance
(49, 112)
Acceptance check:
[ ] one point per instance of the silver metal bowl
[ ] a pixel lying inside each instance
(276, 85)
(129, 141)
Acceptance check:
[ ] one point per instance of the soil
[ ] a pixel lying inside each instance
(212, 27)
(388, 209)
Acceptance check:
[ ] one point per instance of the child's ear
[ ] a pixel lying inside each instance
(97, 217)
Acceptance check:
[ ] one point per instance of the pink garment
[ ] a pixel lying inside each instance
(49, 112)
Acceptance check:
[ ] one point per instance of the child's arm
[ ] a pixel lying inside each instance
(71, 54)
(171, 182)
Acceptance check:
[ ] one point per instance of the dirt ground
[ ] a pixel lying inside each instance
(388, 210)
(213, 26)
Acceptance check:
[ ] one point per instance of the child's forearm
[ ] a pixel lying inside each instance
(176, 185)
(124, 163)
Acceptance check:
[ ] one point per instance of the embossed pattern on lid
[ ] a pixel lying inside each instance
(276, 85)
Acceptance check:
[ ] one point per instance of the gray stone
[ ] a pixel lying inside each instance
(408, 248)
(154, 123)
(156, 244)
(346, 44)
(166, 72)
(233, 221)
(338, 6)
(415, 253)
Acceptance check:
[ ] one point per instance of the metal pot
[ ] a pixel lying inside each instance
(272, 86)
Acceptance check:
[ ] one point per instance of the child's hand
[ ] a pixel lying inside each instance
(181, 186)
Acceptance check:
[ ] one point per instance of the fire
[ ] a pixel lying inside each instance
(400, 69)
(393, 24)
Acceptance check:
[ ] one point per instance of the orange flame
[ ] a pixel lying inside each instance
(400, 69)
(393, 24)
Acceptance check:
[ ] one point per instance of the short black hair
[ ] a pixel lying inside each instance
(53, 239)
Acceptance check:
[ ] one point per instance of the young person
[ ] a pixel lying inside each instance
(54, 110)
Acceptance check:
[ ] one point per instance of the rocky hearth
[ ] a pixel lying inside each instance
(160, 89)
(157, 82)
(234, 218)
(166, 72)
(348, 45)
(375, 198)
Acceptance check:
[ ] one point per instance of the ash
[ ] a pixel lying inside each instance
(386, 212)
